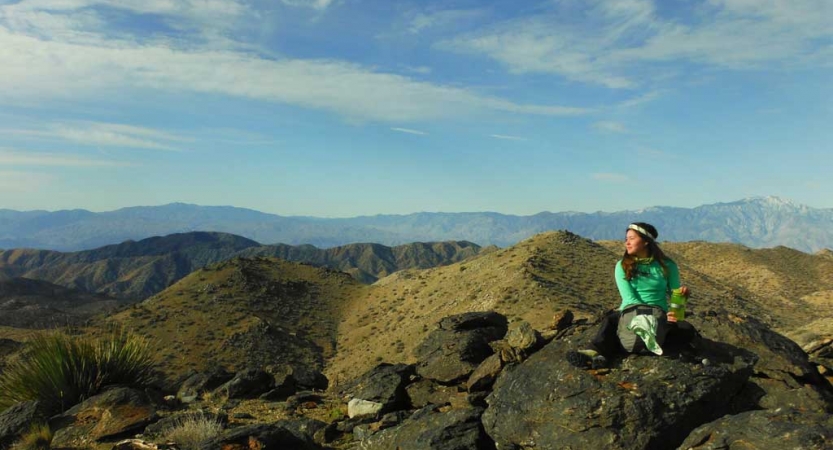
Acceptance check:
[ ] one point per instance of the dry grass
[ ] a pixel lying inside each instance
(193, 430)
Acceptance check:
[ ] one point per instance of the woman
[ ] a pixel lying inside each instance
(645, 278)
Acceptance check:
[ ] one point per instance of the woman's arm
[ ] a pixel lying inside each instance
(626, 291)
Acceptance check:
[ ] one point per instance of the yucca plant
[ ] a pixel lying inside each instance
(59, 370)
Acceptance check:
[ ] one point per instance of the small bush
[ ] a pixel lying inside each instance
(38, 437)
(60, 370)
(193, 430)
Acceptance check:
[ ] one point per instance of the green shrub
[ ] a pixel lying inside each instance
(38, 437)
(193, 430)
(60, 370)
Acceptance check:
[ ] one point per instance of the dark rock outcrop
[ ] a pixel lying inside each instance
(108, 415)
(384, 384)
(197, 384)
(452, 352)
(247, 383)
(776, 429)
(429, 429)
(16, 420)
(645, 403)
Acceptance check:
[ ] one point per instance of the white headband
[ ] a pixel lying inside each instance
(636, 227)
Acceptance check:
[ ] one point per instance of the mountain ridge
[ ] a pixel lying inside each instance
(137, 269)
(755, 222)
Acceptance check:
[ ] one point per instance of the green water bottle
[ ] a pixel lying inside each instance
(677, 304)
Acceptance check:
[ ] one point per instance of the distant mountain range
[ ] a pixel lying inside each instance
(754, 222)
(138, 269)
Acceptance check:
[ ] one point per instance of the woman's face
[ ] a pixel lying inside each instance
(635, 245)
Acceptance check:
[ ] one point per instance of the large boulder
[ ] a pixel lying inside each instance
(430, 429)
(781, 428)
(107, 415)
(783, 375)
(452, 352)
(384, 384)
(197, 384)
(644, 402)
(247, 383)
(16, 420)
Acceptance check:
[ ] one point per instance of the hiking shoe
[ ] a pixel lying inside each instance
(583, 358)
(599, 362)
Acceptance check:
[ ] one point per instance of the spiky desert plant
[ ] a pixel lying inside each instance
(38, 437)
(193, 430)
(59, 369)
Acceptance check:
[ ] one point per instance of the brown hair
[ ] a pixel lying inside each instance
(629, 261)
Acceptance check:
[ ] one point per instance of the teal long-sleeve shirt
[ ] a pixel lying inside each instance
(649, 286)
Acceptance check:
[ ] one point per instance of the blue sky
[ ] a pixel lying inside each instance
(339, 108)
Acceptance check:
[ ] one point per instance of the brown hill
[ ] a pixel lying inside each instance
(532, 280)
(369, 262)
(137, 270)
(244, 312)
(26, 303)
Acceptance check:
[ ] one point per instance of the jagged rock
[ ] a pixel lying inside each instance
(247, 383)
(430, 429)
(427, 392)
(484, 376)
(522, 336)
(109, 414)
(775, 429)
(383, 384)
(474, 320)
(284, 384)
(197, 384)
(452, 352)
(310, 379)
(783, 375)
(561, 320)
(304, 399)
(16, 419)
(363, 408)
(288, 434)
(644, 403)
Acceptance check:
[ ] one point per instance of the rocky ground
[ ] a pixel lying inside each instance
(480, 382)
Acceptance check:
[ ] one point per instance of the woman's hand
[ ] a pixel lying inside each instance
(671, 317)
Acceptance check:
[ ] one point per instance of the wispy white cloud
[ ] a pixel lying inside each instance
(75, 19)
(609, 42)
(14, 181)
(314, 4)
(39, 69)
(103, 134)
(507, 137)
(611, 127)
(610, 177)
(10, 157)
(442, 18)
(409, 131)
(641, 99)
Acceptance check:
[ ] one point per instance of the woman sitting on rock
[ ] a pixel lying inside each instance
(645, 278)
